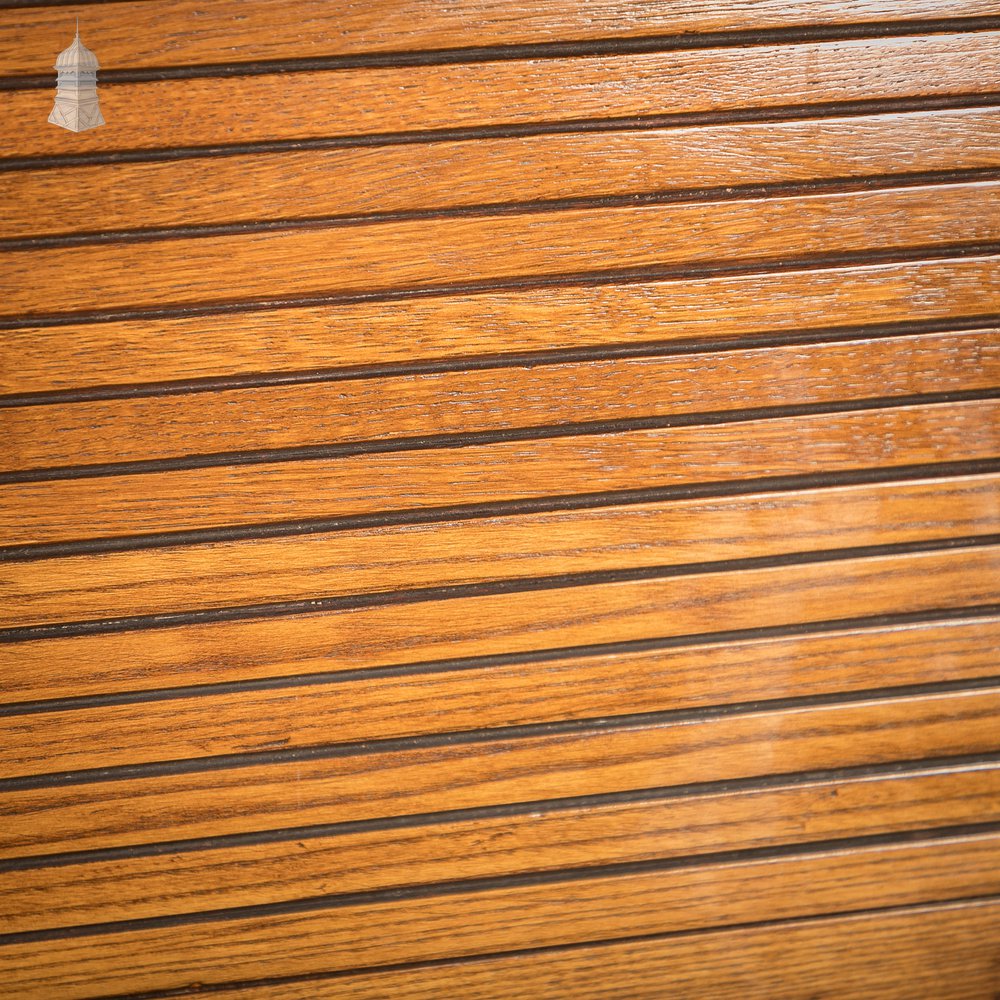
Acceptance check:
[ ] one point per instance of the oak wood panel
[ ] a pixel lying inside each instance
(417, 703)
(540, 839)
(505, 322)
(83, 433)
(306, 184)
(936, 951)
(463, 923)
(190, 577)
(506, 623)
(442, 252)
(282, 491)
(155, 33)
(367, 782)
(203, 111)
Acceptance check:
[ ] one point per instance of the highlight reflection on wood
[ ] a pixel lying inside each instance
(502, 502)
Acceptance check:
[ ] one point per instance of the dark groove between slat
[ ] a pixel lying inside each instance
(150, 770)
(486, 662)
(575, 279)
(893, 769)
(462, 512)
(805, 336)
(718, 193)
(504, 882)
(471, 439)
(614, 46)
(765, 113)
(462, 960)
(488, 588)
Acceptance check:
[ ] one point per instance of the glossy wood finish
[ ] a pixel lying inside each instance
(309, 184)
(376, 100)
(502, 502)
(458, 923)
(604, 315)
(861, 954)
(234, 31)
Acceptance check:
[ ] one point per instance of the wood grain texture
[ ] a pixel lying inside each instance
(84, 433)
(347, 260)
(50, 511)
(359, 782)
(199, 112)
(492, 323)
(485, 626)
(155, 33)
(542, 837)
(461, 923)
(431, 701)
(307, 184)
(367, 560)
(935, 951)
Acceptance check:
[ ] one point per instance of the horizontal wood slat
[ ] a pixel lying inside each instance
(371, 782)
(378, 707)
(328, 337)
(866, 955)
(186, 578)
(462, 923)
(353, 484)
(304, 184)
(353, 259)
(85, 433)
(537, 839)
(155, 33)
(353, 102)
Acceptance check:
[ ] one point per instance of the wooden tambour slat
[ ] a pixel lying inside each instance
(536, 839)
(443, 252)
(363, 637)
(366, 560)
(84, 433)
(865, 955)
(212, 798)
(492, 323)
(108, 506)
(302, 184)
(539, 837)
(199, 112)
(460, 923)
(154, 33)
(421, 702)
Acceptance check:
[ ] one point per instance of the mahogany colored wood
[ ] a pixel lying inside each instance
(312, 183)
(456, 923)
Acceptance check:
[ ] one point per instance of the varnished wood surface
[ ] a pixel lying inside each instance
(85, 433)
(456, 250)
(36, 359)
(421, 631)
(359, 782)
(309, 184)
(157, 33)
(458, 923)
(860, 955)
(541, 837)
(161, 501)
(377, 100)
(448, 553)
(501, 502)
